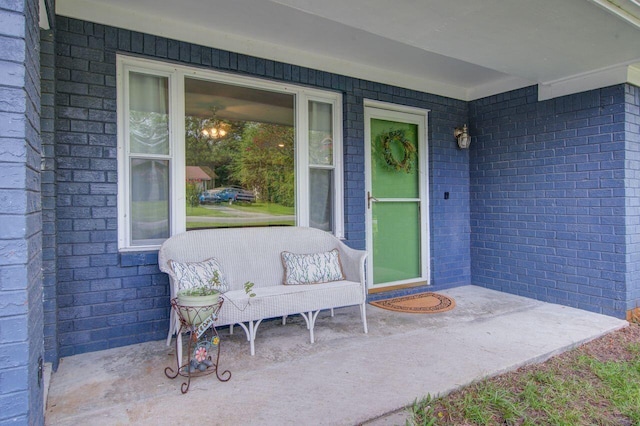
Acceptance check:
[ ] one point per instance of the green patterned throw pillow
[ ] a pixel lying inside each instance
(312, 268)
(197, 274)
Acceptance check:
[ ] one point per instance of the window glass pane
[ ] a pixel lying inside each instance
(148, 114)
(239, 155)
(149, 201)
(321, 199)
(320, 133)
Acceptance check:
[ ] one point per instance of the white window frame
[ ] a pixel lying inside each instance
(177, 75)
(302, 145)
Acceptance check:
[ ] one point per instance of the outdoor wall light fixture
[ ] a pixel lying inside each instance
(462, 136)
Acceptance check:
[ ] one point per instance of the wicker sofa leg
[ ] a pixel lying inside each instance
(310, 319)
(363, 315)
(250, 329)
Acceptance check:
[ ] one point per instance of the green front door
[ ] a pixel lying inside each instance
(395, 198)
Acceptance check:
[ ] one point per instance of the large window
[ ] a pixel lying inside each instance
(201, 149)
(240, 157)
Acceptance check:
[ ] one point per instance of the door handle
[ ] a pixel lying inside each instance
(369, 198)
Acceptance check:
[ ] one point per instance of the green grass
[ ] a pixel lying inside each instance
(577, 389)
(207, 225)
(622, 388)
(267, 208)
(203, 211)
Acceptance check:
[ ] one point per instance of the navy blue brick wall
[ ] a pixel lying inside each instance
(48, 185)
(632, 120)
(106, 299)
(548, 197)
(449, 172)
(21, 316)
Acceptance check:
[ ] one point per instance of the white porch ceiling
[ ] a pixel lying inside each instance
(461, 49)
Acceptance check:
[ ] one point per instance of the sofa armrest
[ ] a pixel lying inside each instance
(353, 264)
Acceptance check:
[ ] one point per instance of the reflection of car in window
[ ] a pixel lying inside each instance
(208, 196)
(230, 194)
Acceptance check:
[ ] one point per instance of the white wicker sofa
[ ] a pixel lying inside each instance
(254, 254)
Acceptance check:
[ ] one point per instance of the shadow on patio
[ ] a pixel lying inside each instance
(345, 378)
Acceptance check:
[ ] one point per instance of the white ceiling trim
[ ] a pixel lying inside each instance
(103, 13)
(633, 76)
(629, 10)
(499, 86)
(588, 81)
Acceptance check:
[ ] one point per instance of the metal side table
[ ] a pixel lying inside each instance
(203, 343)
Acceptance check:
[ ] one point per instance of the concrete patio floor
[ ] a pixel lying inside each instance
(345, 378)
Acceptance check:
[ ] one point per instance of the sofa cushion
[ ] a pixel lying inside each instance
(276, 301)
(312, 268)
(194, 274)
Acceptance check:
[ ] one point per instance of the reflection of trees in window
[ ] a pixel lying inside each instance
(216, 153)
(265, 163)
(256, 156)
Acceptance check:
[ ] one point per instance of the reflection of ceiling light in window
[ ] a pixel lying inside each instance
(214, 133)
(281, 145)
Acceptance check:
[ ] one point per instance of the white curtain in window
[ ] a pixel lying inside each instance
(148, 114)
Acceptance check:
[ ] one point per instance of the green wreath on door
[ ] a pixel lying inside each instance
(397, 137)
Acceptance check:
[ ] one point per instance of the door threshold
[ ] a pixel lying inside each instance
(397, 287)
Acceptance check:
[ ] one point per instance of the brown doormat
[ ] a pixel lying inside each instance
(420, 303)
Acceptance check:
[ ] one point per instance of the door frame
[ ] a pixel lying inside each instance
(418, 116)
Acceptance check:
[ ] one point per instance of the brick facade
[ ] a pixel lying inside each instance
(544, 204)
(107, 299)
(21, 316)
(47, 132)
(553, 203)
(632, 199)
